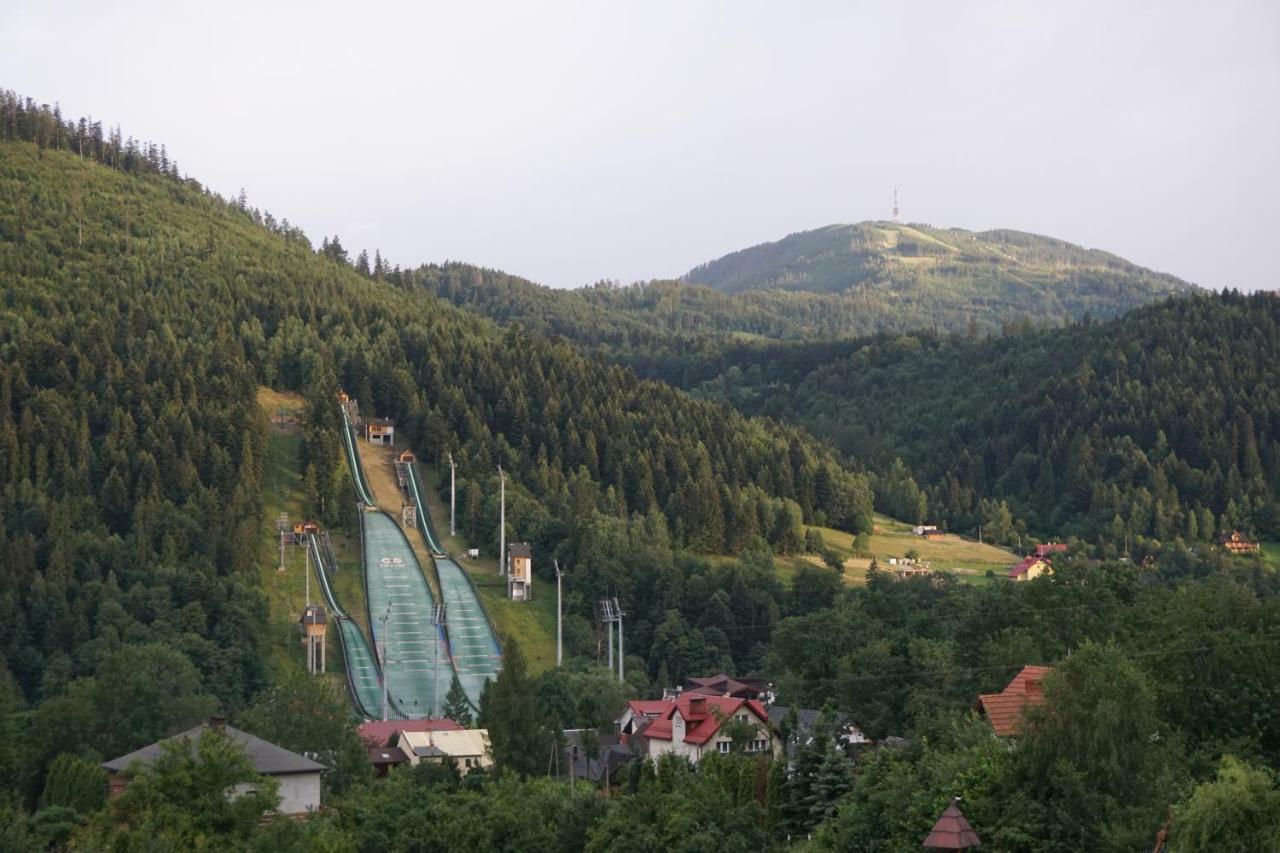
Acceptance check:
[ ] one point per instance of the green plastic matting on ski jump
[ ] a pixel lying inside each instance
(477, 657)
(417, 660)
(362, 670)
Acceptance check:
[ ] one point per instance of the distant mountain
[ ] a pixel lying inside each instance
(947, 273)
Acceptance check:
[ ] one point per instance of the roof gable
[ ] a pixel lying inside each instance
(703, 716)
(268, 759)
(1005, 709)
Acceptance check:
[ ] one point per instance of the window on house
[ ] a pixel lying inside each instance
(724, 746)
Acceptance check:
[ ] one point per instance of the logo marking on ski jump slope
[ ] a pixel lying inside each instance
(392, 561)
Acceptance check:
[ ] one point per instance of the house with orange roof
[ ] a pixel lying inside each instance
(1004, 710)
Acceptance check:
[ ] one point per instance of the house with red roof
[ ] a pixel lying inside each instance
(1031, 568)
(377, 733)
(1048, 549)
(694, 725)
(1005, 709)
(382, 736)
(640, 712)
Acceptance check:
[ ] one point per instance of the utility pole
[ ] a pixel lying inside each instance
(307, 550)
(609, 615)
(559, 614)
(617, 609)
(385, 677)
(437, 621)
(502, 522)
(453, 502)
(282, 525)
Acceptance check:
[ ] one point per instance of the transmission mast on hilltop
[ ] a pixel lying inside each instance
(896, 212)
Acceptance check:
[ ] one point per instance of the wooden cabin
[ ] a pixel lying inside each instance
(1237, 543)
(406, 456)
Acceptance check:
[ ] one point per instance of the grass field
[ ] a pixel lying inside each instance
(967, 560)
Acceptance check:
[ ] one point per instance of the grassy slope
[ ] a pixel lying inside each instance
(531, 623)
(286, 591)
(942, 277)
(966, 559)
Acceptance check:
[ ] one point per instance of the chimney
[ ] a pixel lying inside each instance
(217, 724)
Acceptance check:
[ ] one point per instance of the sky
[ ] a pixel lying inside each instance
(575, 142)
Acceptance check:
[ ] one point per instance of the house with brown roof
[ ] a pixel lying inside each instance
(1030, 568)
(722, 685)
(695, 725)
(1004, 710)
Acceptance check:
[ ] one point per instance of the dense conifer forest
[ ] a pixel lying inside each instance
(140, 313)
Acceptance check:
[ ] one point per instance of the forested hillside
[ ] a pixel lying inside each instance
(834, 283)
(140, 313)
(1163, 424)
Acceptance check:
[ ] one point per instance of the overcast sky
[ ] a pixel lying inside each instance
(573, 142)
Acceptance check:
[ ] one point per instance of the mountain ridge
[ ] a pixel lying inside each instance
(897, 257)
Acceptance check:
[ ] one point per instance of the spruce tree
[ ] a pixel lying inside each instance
(456, 707)
(509, 710)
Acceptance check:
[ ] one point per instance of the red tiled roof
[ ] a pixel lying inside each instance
(1051, 548)
(380, 732)
(647, 707)
(1023, 567)
(952, 832)
(700, 717)
(1005, 709)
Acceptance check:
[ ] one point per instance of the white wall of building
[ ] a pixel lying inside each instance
(299, 792)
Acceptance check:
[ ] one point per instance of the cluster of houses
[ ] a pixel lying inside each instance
(706, 716)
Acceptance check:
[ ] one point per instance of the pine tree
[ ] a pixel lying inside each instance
(456, 707)
(509, 711)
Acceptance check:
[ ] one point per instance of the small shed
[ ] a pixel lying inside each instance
(952, 831)
(519, 571)
(406, 456)
(380, 431)
(315, 623)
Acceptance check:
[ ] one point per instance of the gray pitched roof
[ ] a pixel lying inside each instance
(519, 549)
(268, 759)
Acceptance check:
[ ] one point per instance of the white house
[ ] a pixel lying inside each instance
(469, 748)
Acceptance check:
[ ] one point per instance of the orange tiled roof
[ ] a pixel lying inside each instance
(1005, 709)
